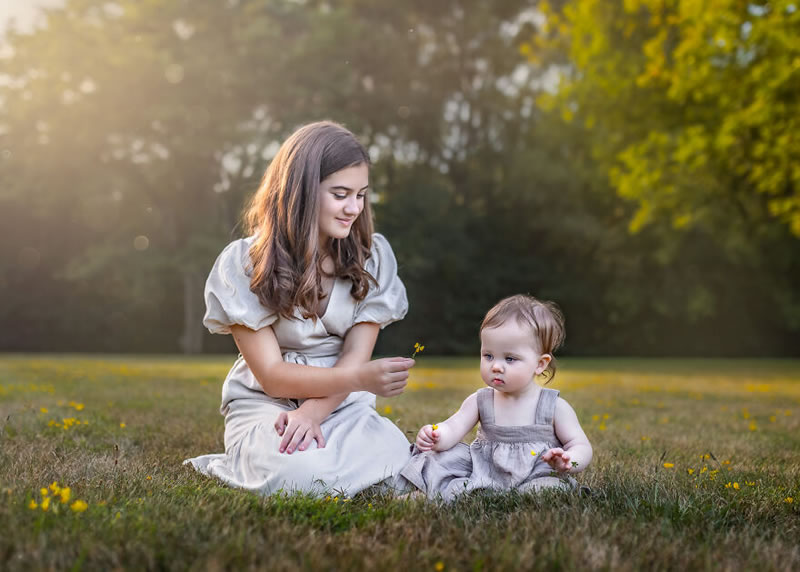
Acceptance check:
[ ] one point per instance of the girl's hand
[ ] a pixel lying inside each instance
(427, 438)
(559, 459)
(386, 377)
(298, 429)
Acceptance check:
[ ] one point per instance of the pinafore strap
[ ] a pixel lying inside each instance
(540, 429)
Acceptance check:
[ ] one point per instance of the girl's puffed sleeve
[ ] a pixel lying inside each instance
(386, 302)
(228, 297)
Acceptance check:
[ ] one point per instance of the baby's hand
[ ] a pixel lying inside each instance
(427, 437)
(559, 459)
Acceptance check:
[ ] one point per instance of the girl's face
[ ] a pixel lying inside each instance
(342, 197)
(509, 359)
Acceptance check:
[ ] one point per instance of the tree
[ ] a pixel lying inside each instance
(694, 105)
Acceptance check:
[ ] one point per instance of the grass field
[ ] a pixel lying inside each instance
(697, 466)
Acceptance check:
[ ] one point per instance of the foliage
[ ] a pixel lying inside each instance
(693, 104)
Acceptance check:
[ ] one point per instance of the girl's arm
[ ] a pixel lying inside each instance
(576, 454)
(386, 377)
(450, 432)
(302, 426)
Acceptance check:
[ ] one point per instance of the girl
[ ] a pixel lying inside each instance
(529, 438)
(304, 297)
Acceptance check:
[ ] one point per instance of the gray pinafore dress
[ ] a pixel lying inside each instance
(499, 458)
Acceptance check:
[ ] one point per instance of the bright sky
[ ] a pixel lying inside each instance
(22, 11)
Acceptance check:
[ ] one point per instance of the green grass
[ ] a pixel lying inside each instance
(734, 423)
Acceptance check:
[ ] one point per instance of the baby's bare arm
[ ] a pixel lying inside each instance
(576, 454)
(450, 432)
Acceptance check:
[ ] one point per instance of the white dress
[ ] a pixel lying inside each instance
(362, 448)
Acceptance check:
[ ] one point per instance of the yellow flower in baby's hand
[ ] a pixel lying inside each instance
(79, 506)
(533, 453)
(417, 349)
(434, 426)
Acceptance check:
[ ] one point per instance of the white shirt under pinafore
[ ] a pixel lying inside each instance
(362, 447)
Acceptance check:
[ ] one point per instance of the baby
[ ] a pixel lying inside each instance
(529, 438)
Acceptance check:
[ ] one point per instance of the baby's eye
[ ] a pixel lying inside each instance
(510, 359)
(487, 357)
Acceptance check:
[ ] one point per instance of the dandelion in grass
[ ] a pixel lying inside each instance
(669, 465)
(753, 426)
(65, 494)
(417, 349)
(33, 505)
(45, 503)
(750, 483)
(439, 566)
(122, 425)
(788, 500)
(81, 506)
(645, 438)
(690, 471)
(43, 409)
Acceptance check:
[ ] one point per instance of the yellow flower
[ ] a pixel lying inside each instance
(55, 488)
(45, 503)
(753, 426)
(122, 425)
(81, 506)
(417, 349)
(43, 409)
(32, 505)
(726, 462)
(439, 566)
(728, 485)
(434, 426)
(44, 492)
(78, 406)
(736, 486)
(149, 478)
(387, 410)
(789, 500)
(645, 438)
(690, 471)
(750, 483)
(669, 465)
(533, 453)
(65, 495)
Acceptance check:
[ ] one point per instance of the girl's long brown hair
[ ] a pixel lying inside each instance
(284, 217)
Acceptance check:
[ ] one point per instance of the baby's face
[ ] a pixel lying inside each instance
(509, 360)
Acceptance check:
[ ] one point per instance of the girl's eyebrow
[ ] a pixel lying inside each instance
(343, 188)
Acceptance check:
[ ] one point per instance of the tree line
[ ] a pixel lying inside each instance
(635, 161)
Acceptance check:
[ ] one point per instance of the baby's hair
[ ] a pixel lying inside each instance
(543, 317)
